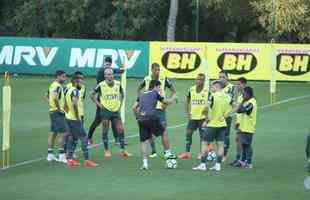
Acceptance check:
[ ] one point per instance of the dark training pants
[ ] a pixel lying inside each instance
(97, 122)
(308, 146)
(227, 135)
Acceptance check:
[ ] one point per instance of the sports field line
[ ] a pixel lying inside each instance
(169, 127)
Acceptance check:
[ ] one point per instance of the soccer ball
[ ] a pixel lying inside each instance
(171, 163)
(211, 156)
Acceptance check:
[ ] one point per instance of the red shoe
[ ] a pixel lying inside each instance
(72, 163)
(90, 164)
(125, 153)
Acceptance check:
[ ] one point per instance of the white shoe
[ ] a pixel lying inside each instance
(51, 157)
(216, 167)
(144, 167)
(62, 158)
(201, 167)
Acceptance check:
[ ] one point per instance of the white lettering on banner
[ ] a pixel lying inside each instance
(95, 58)
(28, 54)
(6, 55)
(80, 60)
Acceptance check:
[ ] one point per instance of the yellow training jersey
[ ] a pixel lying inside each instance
(110, 96)
(218, 106)
(82, 94)
(56, 87)
(70, 94)
(198, 102)
(247, 120)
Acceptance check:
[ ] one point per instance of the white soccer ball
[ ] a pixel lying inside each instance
(171, 163)
(211, 156)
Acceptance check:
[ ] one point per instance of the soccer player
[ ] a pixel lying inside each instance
(308, 151)
(196, 101)
(241, 84)
(110, 95)
(55, 97)
(97, 120)
(160, 109)
(215, 125)
(75, 125)
(247, 124)
(148, 119)
(230, 89)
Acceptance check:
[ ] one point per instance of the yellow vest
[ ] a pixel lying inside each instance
(70, 114)
(162, 91)
(219, 108)
(198, 103)
(110, 97)
(56, 87)
(248, 122)
(81, 97)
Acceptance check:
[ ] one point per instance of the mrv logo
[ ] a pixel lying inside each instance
(237, 63)
(181, 62)
(45, 56)
(293, 64)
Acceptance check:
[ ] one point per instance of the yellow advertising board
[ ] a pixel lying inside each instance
(252, 61)
(179, 59)
(293, 62)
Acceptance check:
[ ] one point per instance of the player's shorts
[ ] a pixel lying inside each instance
(161, 114)
(150, 127)
(194, 124)
(108, 115)
(246, 138)
(228, 122)
(211, 134)
(58, 122)
(76, 128)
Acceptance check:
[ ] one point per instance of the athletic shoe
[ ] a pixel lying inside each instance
(51, 157)
(248, 166)
(144, 167)
(216, 167)
(89, 164)
(185, 155)
(125, 153)
(153, 155)
(233, 163)
(107, 153)
(72, 163)
(62, 158)
(201, 167)
(169, 155)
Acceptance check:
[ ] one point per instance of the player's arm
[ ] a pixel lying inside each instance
(46, 96)
(135, 107)
(171, 87)
(167, 100)
(141, 87)
(55, 99)
(93, 96)
(247, 109)
(188, 104)
(75, 98)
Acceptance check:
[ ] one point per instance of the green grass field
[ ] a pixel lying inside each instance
(279, 160)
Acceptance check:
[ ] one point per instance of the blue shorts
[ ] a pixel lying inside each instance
(58, 122)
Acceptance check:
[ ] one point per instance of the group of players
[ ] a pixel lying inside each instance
(209, 109)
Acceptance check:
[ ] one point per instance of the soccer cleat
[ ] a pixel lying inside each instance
(185, 155)
(201, 167)
(153, 155)
(72, 163)
(248, 166)
(125, 153)
(90, 164)
(169, 155)
(62, 158)
(107, 153)
(51, 157)
(216, 167)
(144, 167)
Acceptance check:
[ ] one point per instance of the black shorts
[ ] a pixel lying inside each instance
(109, 115)
(58, 122)
(246, 138)
(211, 134)
(195, 124)
(76, 128)
(150, 127)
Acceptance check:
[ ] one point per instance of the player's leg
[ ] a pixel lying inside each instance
(191, 127)
(145, 135)
(72, 142)
(207, 138)
(114, 131)
(62, 130)
(219, 138)
(238, 149)
(227, 137)
(153, 147)
(164, 136)
(94, 125)
(121, 135)
(308, 151)
(105, 138)
(52, 137)
(246, 140)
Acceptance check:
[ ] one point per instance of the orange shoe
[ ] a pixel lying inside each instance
(125, 153)
(89, 164)
(72, 163)
(107, 153)
(185, 155)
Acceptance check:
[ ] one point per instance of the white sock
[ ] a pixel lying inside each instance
(145, 162)
(168, 151)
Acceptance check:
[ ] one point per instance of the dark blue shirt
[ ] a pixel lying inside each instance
(147, 104)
